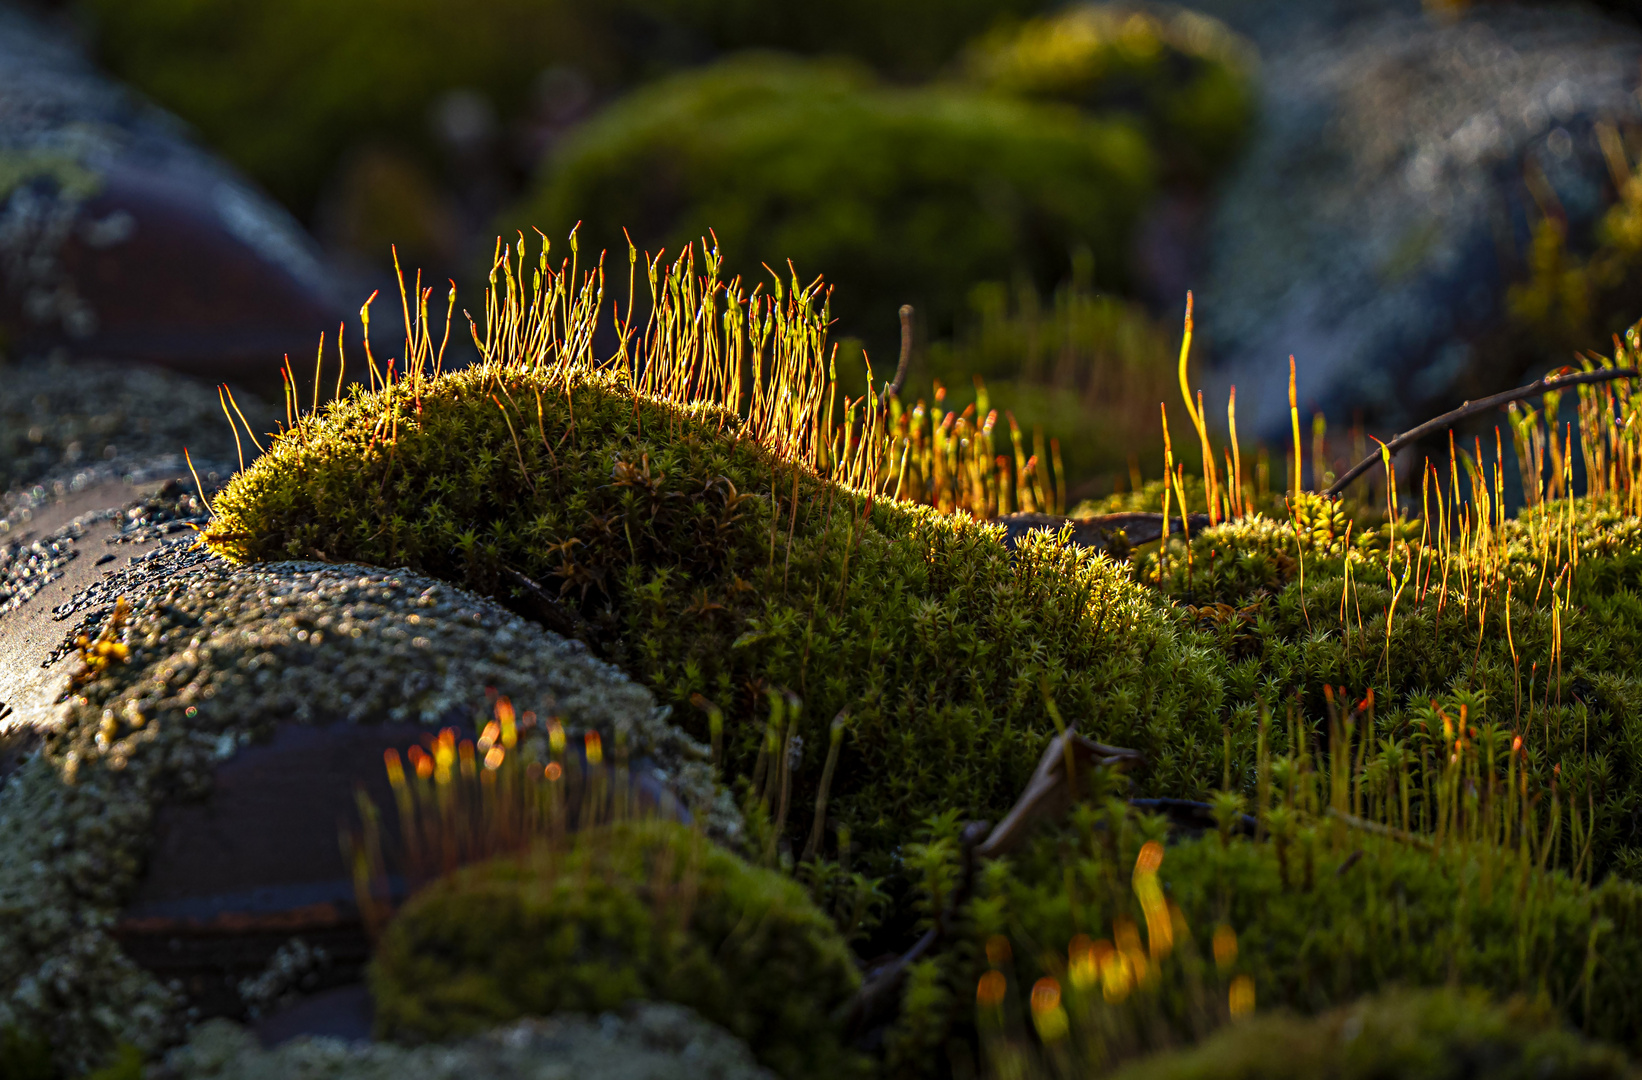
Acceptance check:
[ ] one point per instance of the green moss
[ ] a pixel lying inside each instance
(702, 564)
(639, 910)
(1319, 924)
(127, 1064)
(1183, 76)
(1086, 367)
(901, 195)
(1433, 1035)
(1580, 289)
(1493, 634)
(1318, 915)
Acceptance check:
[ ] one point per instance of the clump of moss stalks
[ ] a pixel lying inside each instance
(1451, 616)
(702, 508)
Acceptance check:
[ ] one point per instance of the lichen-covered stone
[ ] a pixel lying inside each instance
(225, 653)
(643, 1041)
(65, 426)
(218, 657)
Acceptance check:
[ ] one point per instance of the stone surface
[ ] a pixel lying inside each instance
(644, 1041)
(53, 549)
(181, 808)
(92, 473)
(120, 239)
(64, 426)
(1372, 226)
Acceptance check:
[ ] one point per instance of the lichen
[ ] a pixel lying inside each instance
(65, 425)
(643, 1041)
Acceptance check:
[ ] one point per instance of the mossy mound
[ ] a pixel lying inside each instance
(1432, 1035)
(638, 910)
(902, 195)
(1323, 915)
(1182, 76)
(704, 565)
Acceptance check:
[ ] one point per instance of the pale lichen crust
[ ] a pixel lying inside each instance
(645, 1041)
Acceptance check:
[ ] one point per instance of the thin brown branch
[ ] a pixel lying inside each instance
(1472, 408)
(894, 388)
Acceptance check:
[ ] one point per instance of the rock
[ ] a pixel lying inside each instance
(56, 548)
(182, 809)
(1384, 205)
(66, 426)
(120, 239)
(644, 1041)
(92, 473)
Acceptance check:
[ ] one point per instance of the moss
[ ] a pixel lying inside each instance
(127, 1064)
(637, 910)
(1580, 289)
(1317, 915)
(1314, 932)
(1085, 366)
(1184, 77)
(703, 565)
(1434, 1035)
(1555, 664)
(901, 195)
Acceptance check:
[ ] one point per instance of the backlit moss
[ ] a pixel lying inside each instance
(705, 566)
(1512, 632)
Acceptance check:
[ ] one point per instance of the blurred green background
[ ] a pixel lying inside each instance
(1009, 170)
